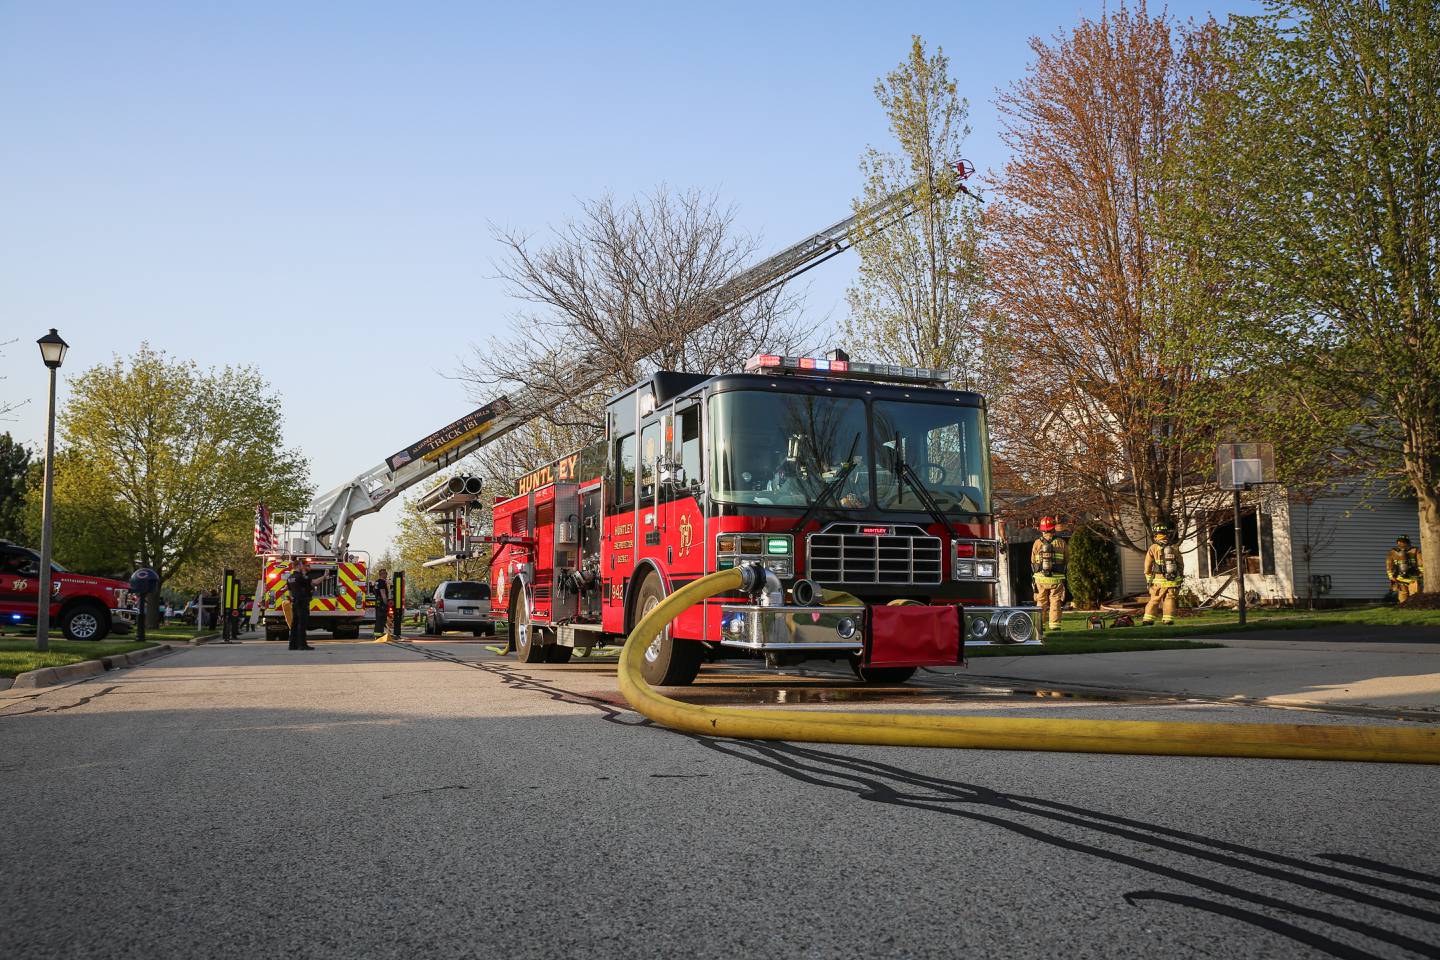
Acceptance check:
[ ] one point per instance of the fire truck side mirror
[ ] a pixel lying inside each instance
(671, 473)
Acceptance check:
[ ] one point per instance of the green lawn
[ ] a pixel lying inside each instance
(171, 632)
(18, 655)
(1206, 623)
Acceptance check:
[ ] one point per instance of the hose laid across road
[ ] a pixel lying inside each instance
(1288, 741)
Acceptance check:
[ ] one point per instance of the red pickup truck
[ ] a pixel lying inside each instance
(85, 608)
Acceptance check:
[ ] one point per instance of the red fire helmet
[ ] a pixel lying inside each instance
(1047, 524)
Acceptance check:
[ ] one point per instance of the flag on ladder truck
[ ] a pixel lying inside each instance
(264, 530)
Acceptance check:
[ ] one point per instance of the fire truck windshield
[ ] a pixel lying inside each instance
(782, 449)
(946, 449)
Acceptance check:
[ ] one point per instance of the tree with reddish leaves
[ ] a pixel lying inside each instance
(1104, 300)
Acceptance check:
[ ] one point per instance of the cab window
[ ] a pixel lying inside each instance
(623, 472)
(649, 453)
(687, 444)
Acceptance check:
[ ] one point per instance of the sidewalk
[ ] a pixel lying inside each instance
(1379, 677)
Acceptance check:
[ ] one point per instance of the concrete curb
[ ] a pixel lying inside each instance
(1291, 703)
(197, 641)
(51, 676)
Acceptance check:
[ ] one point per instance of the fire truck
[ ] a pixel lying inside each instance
(341, 602)
(322, 534)
(861, 486)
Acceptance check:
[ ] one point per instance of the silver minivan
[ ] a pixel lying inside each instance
(460, 605)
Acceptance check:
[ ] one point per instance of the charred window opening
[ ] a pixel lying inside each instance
(1256, 536)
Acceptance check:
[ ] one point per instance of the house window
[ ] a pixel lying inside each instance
(1256, 536)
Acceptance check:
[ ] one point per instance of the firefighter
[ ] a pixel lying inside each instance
(382, 602)
(1164, 572)
(1403, 567)
(1047, 564)
(301, 590)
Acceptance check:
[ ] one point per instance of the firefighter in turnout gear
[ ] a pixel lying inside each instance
(1403, 567)
(1047, 564)
(1164, 572)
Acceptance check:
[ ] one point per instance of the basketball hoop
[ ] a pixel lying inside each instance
(964, 169)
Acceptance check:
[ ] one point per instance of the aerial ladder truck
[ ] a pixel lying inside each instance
(320, 534)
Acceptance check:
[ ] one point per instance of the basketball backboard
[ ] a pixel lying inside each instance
(1241, 465)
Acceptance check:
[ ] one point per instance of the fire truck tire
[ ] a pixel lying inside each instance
(668, 662)
(886, 675)
(558, 654)
(524, 638)
(86, 620)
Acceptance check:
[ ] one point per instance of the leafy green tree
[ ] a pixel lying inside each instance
(177, 456)
(1093, 570)
(82, 522)
(14, 466)
(1329, 149)
(918, 295)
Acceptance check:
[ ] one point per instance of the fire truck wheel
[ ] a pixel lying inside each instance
(525, 638)
(886, 675)
(558, 654)
(668, 662)
(85, 621)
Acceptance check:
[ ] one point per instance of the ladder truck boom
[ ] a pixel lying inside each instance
(334, 511)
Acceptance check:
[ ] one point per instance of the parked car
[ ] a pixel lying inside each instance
(460, 605)
(83, 607)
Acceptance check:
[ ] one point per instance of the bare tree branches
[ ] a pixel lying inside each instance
(620, 284)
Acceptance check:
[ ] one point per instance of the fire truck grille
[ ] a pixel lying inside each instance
(845, 553)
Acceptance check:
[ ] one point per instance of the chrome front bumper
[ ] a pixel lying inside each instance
(792, 628)
(749, 627)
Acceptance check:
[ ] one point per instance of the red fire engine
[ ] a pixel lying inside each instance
(865, 489)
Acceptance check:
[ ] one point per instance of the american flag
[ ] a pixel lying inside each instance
(264, 530)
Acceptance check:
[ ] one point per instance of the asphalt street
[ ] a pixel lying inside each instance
(433, 800)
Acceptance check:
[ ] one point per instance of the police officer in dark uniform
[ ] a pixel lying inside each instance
(381, 590)
(301, 590)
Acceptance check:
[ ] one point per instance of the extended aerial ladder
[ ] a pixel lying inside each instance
(331, 514)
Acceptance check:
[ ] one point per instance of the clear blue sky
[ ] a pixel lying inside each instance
(308, 187)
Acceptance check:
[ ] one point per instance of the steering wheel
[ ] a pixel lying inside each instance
(930, 469)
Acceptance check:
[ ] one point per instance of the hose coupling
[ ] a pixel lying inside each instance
(760, 582)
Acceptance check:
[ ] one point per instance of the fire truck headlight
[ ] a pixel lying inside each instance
(1019, 626)
(985, 571)
(845, 629)
(979, 628)
(964, 569)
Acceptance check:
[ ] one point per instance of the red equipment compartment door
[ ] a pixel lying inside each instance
(913, 635)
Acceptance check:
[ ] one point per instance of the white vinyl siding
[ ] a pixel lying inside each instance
(1349, 539)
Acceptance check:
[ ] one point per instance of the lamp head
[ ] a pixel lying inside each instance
(52, 349)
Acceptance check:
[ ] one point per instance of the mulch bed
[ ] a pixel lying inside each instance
(1430, 600)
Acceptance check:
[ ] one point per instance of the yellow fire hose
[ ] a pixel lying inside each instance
(1277, 740)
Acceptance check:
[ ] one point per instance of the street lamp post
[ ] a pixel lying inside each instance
(52, 351)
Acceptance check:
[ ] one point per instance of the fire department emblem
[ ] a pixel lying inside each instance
(687, 535)
(21, 585)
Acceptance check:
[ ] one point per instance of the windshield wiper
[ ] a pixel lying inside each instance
(905, 472)
(830, 489)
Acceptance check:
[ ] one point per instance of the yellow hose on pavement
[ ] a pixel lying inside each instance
(1289, 741)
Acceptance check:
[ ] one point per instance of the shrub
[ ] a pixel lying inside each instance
(1094, 570)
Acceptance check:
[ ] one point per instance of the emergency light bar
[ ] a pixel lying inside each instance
(811, 366)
